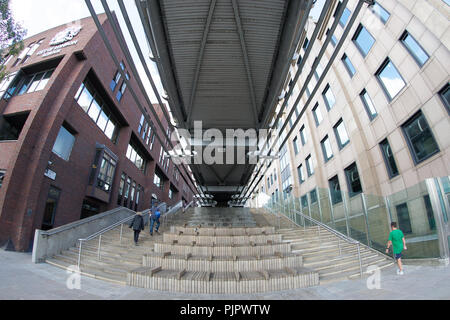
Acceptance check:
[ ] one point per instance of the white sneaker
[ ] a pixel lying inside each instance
(398, 271)
(401, 273)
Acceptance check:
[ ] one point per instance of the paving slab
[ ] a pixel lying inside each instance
(21, 279)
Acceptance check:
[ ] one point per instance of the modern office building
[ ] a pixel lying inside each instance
(376, 128)
(74, 141)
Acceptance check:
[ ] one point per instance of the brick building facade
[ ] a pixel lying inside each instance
(73, 142)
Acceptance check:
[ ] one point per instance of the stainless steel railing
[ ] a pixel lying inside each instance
(100, 233)
(320, 226)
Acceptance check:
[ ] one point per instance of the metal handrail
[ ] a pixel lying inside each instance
(101, 232)
(189, 205)
(335, 232)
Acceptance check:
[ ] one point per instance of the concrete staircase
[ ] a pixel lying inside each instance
(248, 255)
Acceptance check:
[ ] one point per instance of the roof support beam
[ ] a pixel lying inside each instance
(150, 12)
(292, 32)
(191, 106)
(246, 61)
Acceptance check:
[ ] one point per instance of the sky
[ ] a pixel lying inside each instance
(53, 13)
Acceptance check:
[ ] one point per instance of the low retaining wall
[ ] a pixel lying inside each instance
(49, 243)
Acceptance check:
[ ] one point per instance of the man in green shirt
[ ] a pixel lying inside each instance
(397, 240)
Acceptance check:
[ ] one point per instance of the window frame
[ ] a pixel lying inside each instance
(352, 193)
(441, 96)
(358, 31)
(409, 142)
(324, 151)
(325, 98)
(389, 168)
(347, 65)
(366, 105)
(314, 109)
(374, 11)
(338, 137)
(377, 75)
(402, 39)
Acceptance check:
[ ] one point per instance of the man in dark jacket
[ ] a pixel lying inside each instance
(138, 225)
(154, 218)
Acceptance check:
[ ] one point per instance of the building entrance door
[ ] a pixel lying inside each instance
(50, 208)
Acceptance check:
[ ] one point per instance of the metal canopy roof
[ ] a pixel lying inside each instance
(223, 62)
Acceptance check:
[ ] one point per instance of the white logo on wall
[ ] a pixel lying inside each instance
(61, 40)
(66, 35)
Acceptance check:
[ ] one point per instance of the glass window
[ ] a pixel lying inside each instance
(414, 48)
(310, 166)
(353, 180)
(404, 221)
(368, 105)
(349, 66)
(301, 174)
(86, 97)
(389, 158)
(106, 173)
(304, 201)
(445, 96)
(157, 181)
(390, 79)
(135, 156)
(335, 190)
(329, 98)
(94, 110)
(2, 176)
(121, 189)
(121, 92)
(35, 82)
(5, 85)
(317, 114)
(100, 113)
(326, 148)
(341, 134)
(313, 196)
(295, 143)
(115, 81)
(64, 144)
(363, 40)
(420, 139)
(430, 214)
(380, 12)
(345, 16)
(303, 135)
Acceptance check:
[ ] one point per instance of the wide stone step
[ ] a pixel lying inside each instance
(109, 256)
(223, 264)
(326, 261)
(222, 240)
(180, 249)
(222, 282)
(222, 231)
(353, 266)
(351, 274)
(90, 271)
(105, 265)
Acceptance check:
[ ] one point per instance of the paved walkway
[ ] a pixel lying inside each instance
(21, 279)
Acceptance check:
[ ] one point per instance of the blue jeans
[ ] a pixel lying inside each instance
(152, 223)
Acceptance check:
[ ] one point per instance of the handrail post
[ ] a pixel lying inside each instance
(320, 242)
(340, 249)
(121, 233)
(79, 255)
(360, 261)
(99, 246)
